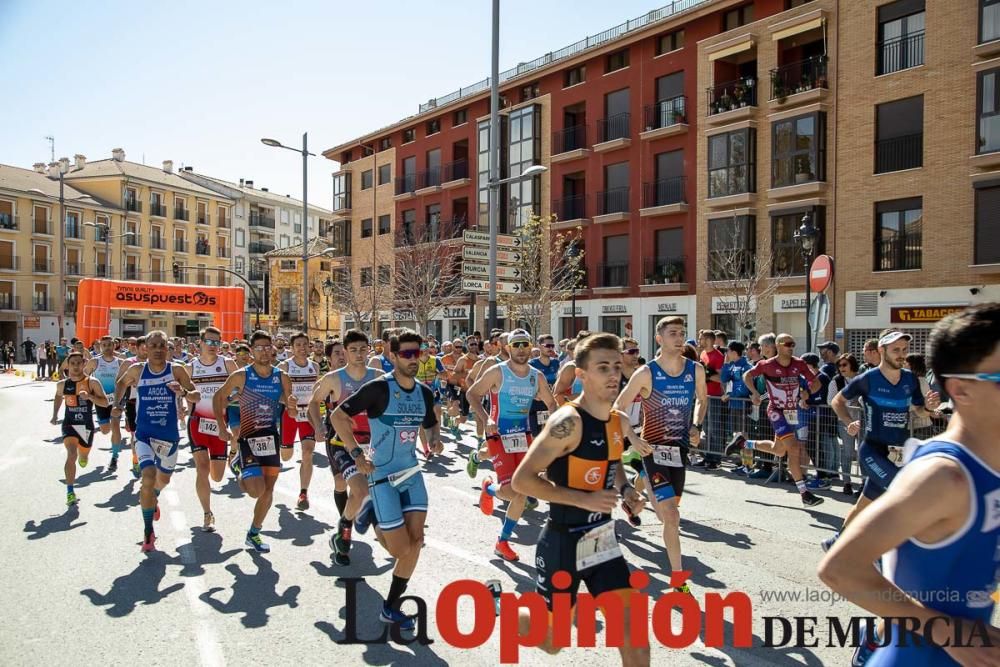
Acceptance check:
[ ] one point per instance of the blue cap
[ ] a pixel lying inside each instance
(690, 341)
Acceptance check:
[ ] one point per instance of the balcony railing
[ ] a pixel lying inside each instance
(204, 219)
(9, 301)
(158, 276)
(41, 265)
(613, 274)
(131, 273)
(40, 304)
(569, 139)
(181, 214)
(666, 113)
(614, 200)
(455, 171)
(157, 243)
(798, 77)
(133, 205)
(898, 153)
(202, 249)
(74, 230)
(573, 207)
(614, 127)
(74, 269)
(429, 178)
(255, 276)
(663, 270)
(222, 251)
(133, 239)
(180, 245)
(261, 220)
(899, 253)
(405, 184)
(9, 263)
(901, 53)
(157, 209)
(102, 271)
(730, 95)
(259, 247)
(664, 192)
(8, 222)
(41, 225)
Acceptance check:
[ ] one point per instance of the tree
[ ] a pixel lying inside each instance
(549, 265)
(428, 267)
(352, 302)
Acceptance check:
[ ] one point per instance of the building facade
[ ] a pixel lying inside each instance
(285, 285)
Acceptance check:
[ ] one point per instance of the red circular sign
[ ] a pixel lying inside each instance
(821, 273)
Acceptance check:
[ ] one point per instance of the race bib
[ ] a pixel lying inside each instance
(542, 416)
(302, 415)
(667, 456)
(208, 427)
(514, 443)
(792, 417)
(161, 447)
(598, 545)
(262, 445)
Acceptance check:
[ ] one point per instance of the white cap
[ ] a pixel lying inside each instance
(892, 337)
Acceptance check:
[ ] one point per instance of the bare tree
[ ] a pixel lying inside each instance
(428, 267)
(359, 304)
(549, 264)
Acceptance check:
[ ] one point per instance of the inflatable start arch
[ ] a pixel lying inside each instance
(96, 297)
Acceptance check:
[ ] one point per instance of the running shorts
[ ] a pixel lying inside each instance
(392, 502)
(784, 422)
(505, 463)
(257, 451)
(341, 462)
(292, 427)
(203, 436)
(153, 451)
(103, 414)
(666, 481)
(557, 550)
(83, 434)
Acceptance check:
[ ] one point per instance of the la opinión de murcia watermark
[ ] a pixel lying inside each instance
(705, 620)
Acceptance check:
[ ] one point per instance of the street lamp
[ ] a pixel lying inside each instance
(806, 236)
(328, 292)
(304, 151)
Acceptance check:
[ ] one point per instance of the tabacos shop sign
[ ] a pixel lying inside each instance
(162, 297)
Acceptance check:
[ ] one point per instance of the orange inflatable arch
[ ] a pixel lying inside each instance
(96, 298)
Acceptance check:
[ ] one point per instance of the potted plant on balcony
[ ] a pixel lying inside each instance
(740, 94)
(677, 116)
(674, 271)
(778, 86)
(726, 102)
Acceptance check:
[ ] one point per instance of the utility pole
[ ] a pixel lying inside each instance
(494, 189)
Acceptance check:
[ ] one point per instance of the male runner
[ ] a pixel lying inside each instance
(513, 386)
(262, 389)
(158, 382)
(397, 407)
(546, 364)
(303, 373)
(318, 356)
(105, 369)
(350, 488)
(674, 401)
(781, 374)
(80, 393)
(889, 393)
(280, 352)
(431, 372)
(208, 372)
(579, 450)
(453, 389)
(938, 521)
(490, 349)
(568, 384)
(380, 361)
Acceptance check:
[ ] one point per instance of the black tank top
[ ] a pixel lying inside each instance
(78, 412)
(592, 466)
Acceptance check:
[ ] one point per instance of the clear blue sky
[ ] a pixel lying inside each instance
(199, 82)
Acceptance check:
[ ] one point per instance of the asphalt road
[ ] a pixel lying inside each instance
(80, 592)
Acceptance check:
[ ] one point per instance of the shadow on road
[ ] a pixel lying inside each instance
(362, 563)
(299, 527)
(54, 524)
(125, 499)
(98, 474)
(203, 549)
(823, 518)
(141, 585)
(253, 593)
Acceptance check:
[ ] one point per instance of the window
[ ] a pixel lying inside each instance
(798, 150)
(614, 271)
(529, 92)
(988, 137)
(409, 181)
(617, 60)
(433, 126)
(366, 228)
(989, 20)
(668, 262)
(574, 76)
(409, 134)
(432, 214)
(289, 299)
(898, 240)
(284, 241)
(384, 224)
(238, 265)
(524, 150)
(384, 275)
(734, 18)
(987, 249)
(366, 179)
(341, 191)
(731, 163)
(615, 197)
(433, 169)
(615, 124)
(787, 259)
(668, 188)
(384, 144)
(287, 265)
(384, 174)
(900, 35)
(670, 102)
(899, 139)
(297, 228)
(366, 276)
(460, 117)
(669, 42)
(240, 238)
(409, 225)
(732, 243)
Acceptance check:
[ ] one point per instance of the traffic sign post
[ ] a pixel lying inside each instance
(476, 263)
(818, 280)
(821, 274)
(483, 270)
(503, 240)
(503, 287)
(480, 254)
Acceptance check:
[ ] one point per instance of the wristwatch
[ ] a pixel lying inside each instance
(356, 452)
(697, 426)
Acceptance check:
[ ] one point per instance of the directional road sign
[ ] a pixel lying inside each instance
(481, 254)
(483, 270)
(476, 285)
(503, 240)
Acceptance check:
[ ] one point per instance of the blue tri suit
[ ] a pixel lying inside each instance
(156, 432)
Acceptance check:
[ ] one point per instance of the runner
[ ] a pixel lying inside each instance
(456, 406)
(568, 384)
(280, 352)
(490, 349)
(397, 406)
(350, 488)
(105, 369)
(80, 393)
(513, 386)
(674, 402)
(782, 376)
(303, 374)
(208, 372)
(262, 390)
(938, 521)
(579, 536)
(380, 361)
(243, 359)
(431, 372)
(158, 382)
(631, 362)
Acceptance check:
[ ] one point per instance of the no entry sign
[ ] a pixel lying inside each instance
(821, 274)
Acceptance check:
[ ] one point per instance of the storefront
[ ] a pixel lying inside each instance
(616, 319)
(790, 315)
(568, 326)
(730, 314)
(654, 310)
(457, 320)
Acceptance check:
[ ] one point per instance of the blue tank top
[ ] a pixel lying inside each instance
(260, 402)
(348, 387)
(156, 406)
(106, 372)
(387, 366)
(887, 405)
(666, 412)
(550, 372)
(394, 432)
(510, 405)
(958, 575)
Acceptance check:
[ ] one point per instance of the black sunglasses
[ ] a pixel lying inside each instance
(408, 354)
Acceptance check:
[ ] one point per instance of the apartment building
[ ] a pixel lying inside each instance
(285, 285)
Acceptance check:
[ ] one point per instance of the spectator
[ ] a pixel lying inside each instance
(42, 360)
(872, 356)
(847, 370)
(828, 352)
(920, 426)
(753, 353)
(817, 428)
(735, 411)
(29, 351)
(721, 341)
(712, 360)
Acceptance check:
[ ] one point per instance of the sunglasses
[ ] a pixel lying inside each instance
(212, 343)
(408, 354)
(790, 343)
(979, 377)
(551, 346)
(520, 345)
(634, 350)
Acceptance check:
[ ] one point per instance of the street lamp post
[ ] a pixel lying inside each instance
(806, 236)
(328, 292)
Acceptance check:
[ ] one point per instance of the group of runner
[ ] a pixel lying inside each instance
(559, 426)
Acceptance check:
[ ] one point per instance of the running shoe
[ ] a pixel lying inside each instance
(711, 465)
(865, 649)
(82, 462)
(683, 588)
(208, 525)
(810, 500)
(257, 544)
(303, 503)
(149, 544)
(135, 470)
(71, 498)
(156, 512)
(234, 465)
(456, 432)
(530, 504)
(503, 550)
(341, 540)
(760, 473)
(342, 560)
(735, 446)
(485, 499)
(828, 542)
(817, 483)
(396, 617)
(113, 466)
(633, 519)
(365, 517)
(472, 467)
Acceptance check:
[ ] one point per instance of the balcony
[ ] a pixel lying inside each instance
(202, 248)
(69, 308)
(9, 263)
(203, 219)
(182, 214)
(569, 143)
(455, 174)
(732, 100)
(899, 153)
(9, 301)
(39, 265)
(664, 274)
(258, 219)
(157, 243)
(902, 252)
(428, 181)
(222, 251)
(133, 239)
(74, 230)
(102, 271)
(131, 273)
(612, 205)
(8, 222)
(901, 53)
(406, 186)
(135, 206)
(223, 222)
(255, 275)
(664, 196)
(665, 118)
(41, 226)
(157, 209)
(570, 211)
(342, 202)
(158, 276)
(612, 275)
(613, 132)
(40, 304)
(791, 82)
(180, 245)
(260, 247)
(74, 269)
